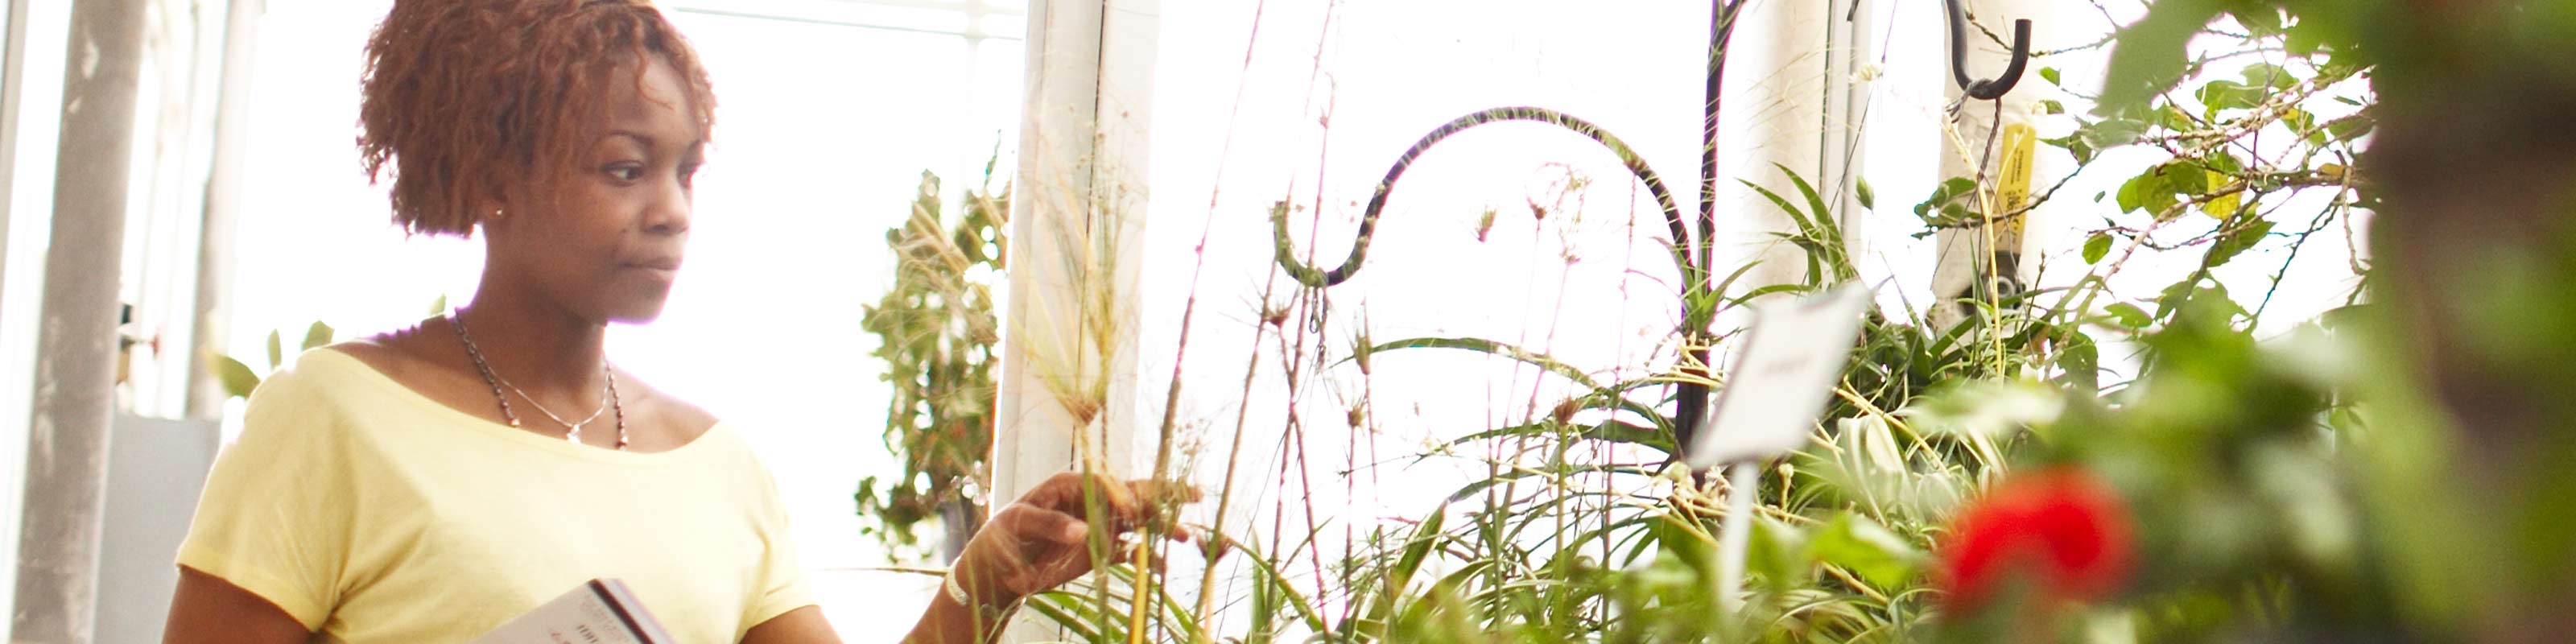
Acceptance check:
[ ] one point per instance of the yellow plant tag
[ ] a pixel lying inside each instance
(2013, 193)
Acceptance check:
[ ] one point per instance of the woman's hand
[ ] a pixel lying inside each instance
(1040, 542)
(1043, 540)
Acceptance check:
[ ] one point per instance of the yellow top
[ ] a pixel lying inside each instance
(373, 514)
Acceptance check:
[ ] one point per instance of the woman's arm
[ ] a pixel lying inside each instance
(948, 622)
(209, 610)
(801, 626)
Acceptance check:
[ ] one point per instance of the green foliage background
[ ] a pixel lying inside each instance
(936, 328)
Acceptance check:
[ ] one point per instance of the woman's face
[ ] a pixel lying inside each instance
(604, 240)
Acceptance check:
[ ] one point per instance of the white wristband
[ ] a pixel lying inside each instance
(957, 591)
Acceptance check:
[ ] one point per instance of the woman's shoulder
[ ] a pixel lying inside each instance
(669, 422)
(399, 355)
(340, 382)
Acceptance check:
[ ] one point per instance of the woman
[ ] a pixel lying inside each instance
(429, 484)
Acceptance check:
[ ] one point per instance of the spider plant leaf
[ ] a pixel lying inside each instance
(1415, 549)
(1795, 215)
(1482, 345)
(1816, 208)
(1612, 431)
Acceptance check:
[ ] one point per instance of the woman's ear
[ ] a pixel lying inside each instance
(492, 209)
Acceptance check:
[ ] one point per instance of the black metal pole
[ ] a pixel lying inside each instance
(1692, 399)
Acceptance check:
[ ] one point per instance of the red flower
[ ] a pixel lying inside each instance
(2060, 528)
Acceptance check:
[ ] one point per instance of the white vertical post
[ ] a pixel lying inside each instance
(58, 548)
(1792, 100)
(1068, 398)
(1850, 53)
(1774, 113)
(206, 395)
(1964, 255)
(30, 74)
(1068, 395)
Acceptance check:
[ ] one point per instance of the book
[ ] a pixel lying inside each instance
(601, 611)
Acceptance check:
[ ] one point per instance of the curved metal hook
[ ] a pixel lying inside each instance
(1315, 276)
(1990, 89)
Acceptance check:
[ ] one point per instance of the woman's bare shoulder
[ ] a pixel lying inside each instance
(677, 422)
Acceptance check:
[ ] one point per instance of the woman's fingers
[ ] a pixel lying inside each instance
(1126, 504)
(1075, 494)
(1038, 524)
(1051, 535)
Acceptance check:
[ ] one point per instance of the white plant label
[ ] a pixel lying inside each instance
(1792, 358)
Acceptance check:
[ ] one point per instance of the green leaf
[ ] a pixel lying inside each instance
(2096, 247)
(317, 336)
(2148, 56)
(2082, 362)
(2351, 127)
(2133, 193)
(1795, 215)
(438, 306)
(2112, 133)
(2049, 74)
(1863, 547)
(1991, 408)
(2129, 315)
(1778, 552)
(2221, 95)
(2185, 179)
(2175, 293)
(2268, 75)
(2237, 241)
(2173, 118)
(1825, 230)
(1481, 345)
(276, 350)
(1949, 190)
(2304, 123)
(237, 377)
(1868, 197)
(2225, 163)
(2153, 191)
(2259, 21)
(1690, 542)
(2305, 38)
(1415, 549)
(1609, 431)
(2051, 106)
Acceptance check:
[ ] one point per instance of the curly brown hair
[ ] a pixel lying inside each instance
(468, 100)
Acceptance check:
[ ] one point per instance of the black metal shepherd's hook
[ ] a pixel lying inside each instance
(1985, 89)
(1693, 255)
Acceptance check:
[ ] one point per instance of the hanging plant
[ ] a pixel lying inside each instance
(936, 330)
